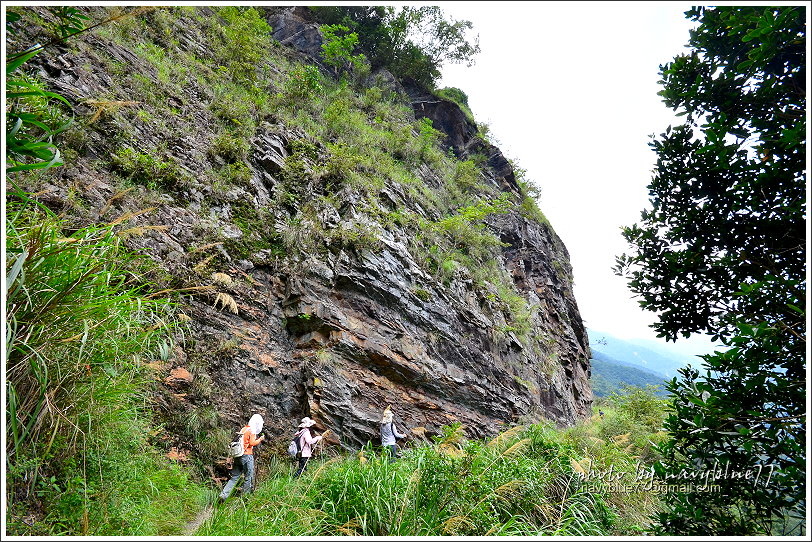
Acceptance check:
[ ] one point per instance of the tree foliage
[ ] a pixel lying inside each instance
(745, 414)
(722, 250)
(412, 42)
(339, 44)
(728, 190)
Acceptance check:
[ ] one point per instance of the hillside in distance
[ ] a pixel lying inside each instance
(641, 354)
(610, 376)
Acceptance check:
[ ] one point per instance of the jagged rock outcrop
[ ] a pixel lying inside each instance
(339, 335)
(294, 27)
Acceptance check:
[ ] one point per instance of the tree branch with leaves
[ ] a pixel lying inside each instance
(722, 251)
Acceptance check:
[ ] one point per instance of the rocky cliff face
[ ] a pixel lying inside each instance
(335, 334)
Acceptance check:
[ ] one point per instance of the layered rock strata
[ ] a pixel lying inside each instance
(335, 337)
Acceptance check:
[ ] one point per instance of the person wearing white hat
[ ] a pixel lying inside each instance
(244, 465)
(389, 433)
(305, 442)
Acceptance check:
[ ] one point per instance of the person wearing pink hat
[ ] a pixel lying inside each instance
(305, 441)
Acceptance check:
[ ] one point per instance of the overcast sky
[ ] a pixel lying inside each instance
(569, 90)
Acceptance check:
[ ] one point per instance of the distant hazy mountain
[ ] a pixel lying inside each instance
(682, 349)
(609, 376)
(643, 354)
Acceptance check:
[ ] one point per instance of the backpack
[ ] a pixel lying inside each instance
(295, 447)
(237, 447)
(391, 430)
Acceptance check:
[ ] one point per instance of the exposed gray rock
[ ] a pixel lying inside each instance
(269, 151)
(339, 336)
(295, 28)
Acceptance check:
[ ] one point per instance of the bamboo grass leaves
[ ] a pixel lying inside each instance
(71, 311)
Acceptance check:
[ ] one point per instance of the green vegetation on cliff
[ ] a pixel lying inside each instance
(350, 138)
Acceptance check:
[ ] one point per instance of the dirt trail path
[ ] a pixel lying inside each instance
(195, 524)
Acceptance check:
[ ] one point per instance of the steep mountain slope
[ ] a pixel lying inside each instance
(331, 251)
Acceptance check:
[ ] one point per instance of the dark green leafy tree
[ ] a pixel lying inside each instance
(727, 205)
(722, 250)
(744, 415)
(412, 42)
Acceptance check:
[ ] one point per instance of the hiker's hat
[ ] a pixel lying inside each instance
(255, 423)
(387, 415)
(307, 422)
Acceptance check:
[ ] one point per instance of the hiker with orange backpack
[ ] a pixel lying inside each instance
(243, 455)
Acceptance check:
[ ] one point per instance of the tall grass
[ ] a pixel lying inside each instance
(79, 332)
(522, 483)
